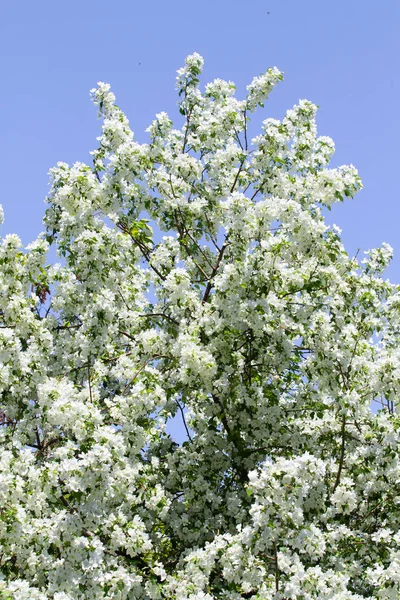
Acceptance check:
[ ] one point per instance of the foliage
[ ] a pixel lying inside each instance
(245, 318)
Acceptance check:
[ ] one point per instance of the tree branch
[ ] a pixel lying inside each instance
(183, 419)
(341, 457)
(215, 269)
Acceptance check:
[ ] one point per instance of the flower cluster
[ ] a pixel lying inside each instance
(198, 281)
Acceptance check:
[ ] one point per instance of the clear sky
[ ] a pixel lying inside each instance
(342, 55)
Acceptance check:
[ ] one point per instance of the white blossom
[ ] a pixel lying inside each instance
(198, 282)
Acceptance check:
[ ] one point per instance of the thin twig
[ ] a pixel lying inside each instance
(183, 419)
(89, 384)
(126, 334)
(187, 231)
(187, 129)
(245, 129)
(341, 458)
(148, 315)
(237, 175)
(237, 137)
(140, 370)
(276, 568)
(215, 269)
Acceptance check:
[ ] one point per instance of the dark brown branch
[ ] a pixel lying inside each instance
(258, 189)
(341, 457)
(148, 315)
(126, 388)
(246, 145)
(45, 445)
(123, 299)
(276, 568)
(187, 129)
(38, 440)
(183, 419)
(237, 137)
(127, 335)
(145, 252)
(95, 171)
(89, 384)
(187, 232)
(214, 241)
(215, 269)
(237, 175)
(61, 327)
(233, 439)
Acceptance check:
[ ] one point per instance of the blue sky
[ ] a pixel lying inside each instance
(341, 55)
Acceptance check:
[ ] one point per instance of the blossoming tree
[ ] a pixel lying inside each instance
(240, 314)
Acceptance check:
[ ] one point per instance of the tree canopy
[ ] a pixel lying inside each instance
(199, 280)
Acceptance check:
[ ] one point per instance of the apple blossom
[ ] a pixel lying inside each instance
(199, 281)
